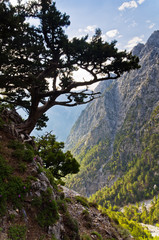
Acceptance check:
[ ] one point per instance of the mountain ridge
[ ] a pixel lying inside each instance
(118, 118)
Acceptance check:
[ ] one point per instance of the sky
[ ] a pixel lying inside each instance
(129, 22)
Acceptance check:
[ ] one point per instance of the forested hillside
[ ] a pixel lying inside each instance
(141, 178)
(116, 137)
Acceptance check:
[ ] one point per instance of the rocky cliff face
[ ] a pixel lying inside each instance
(107, 135)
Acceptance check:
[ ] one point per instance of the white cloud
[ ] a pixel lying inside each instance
(134, 41)
(140, 1)
(131, 4)
(112, 33)
(152, 25)
(88, 29)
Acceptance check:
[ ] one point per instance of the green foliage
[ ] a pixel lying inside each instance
(142, 214)
(59, 163)
(126, 226)
(16, 145)
(68, 200)
(85, 237)
(62, 206)
(23, 152)
(12, 188)
(99, 237)
(71, 224)
(17, 232)
(16, 190)
(86, 216)
(90, 161)
(22, 167)
(53, 237)
(47, 209)
(82, 200)
(140, 180)
(28, 155)
(93, 204)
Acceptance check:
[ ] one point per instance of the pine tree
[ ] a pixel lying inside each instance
(37, 62)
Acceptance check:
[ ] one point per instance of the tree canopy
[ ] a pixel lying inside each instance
(37, 62)
(58, 162)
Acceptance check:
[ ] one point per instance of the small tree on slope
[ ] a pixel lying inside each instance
(37, 62)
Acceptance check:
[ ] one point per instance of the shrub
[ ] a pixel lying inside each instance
(53, 237)
(48, 213)
(70, 222)
(21, 151)
(12, 188)
(69, 200)
(23, 154)
(93, 204)
(16, 190)
(17, 232)
(22, 167)
(59, 163)
(47, 209)
(99, 237)
(85, 237)
(83, 201)
(15, 145)
(28, 155)
(62, 206)
(86, 216)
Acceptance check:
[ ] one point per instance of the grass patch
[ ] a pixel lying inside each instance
(82, 200)
(99, 237)
(23, 152)
(17, 232)
(85, 237)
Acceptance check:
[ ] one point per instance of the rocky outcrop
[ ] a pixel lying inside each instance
(113, 124)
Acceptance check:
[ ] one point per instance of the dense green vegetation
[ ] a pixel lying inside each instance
(12, 188)
(47, 213)
(58, 163)
(132, 216)
(127, 226)
(142, 213)
(17, 232)
(141, 180)
(90, 161)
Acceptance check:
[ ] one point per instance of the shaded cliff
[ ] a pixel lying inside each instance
(107, 136)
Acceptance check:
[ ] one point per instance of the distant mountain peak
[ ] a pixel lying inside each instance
(137, 49)
(153, 39)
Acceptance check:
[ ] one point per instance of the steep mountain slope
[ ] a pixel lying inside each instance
(33, 207)
(141, 180)
(106, 138)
